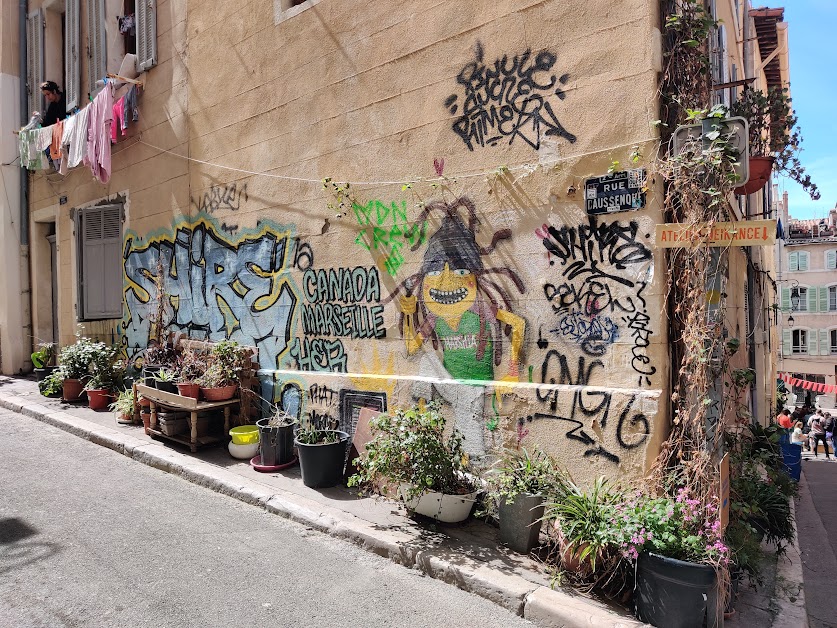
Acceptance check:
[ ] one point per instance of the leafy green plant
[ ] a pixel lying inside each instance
(519, 472)
(191, 366)
(123, 404)
(225, 363)
(311, 435)
(76, 358)
(103, 370)
(44, 355)
(410, 447)
(52, 384)
(166, 375)
(774, 132)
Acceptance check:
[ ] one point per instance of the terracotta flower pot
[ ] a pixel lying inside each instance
(144, 403)
(98, 398)
(146, 421)
(219, 394)
(72, 389)
(760, 169)
(189, 389)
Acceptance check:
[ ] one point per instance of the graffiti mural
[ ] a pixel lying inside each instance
(464, 311)
(218, 286)
(508, 98)
(337, 306)
(575, 404)
(386, 231)
(604, 270)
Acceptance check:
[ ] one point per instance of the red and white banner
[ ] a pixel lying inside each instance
(806, 385)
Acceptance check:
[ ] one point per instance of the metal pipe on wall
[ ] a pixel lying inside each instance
(24, 118)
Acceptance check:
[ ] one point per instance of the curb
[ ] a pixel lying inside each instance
(789, 592)
(541, 605)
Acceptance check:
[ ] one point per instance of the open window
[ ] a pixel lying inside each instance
(99, 237)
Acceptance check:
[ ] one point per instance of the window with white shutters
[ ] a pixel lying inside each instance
(72, 59)
(832, 299)
(99, 233)
(96, 44)
(833, 335)
(34, 60)
(146, 24)
(831, 260)
(800, 341)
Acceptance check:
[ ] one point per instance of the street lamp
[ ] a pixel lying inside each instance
(795, 297)
(790, 320)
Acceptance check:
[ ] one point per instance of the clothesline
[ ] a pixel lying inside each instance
(527, 166)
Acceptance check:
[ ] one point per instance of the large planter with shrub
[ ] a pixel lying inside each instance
(322, 458)
(675, 593)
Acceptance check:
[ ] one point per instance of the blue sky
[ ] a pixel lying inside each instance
(813, 76)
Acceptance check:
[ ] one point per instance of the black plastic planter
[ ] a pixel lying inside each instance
(149, 373)
(520, 522)
(276, 443)
(322, 465)
(169, 387)
(41, 374)
(675, 593)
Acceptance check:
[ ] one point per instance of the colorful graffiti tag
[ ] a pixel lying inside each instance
(386, 231)
(218, 286)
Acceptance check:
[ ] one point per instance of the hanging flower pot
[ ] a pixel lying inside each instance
(760, 169)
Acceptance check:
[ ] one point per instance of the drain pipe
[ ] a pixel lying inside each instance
(24, 118)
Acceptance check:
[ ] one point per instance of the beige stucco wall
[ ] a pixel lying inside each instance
(358, 93)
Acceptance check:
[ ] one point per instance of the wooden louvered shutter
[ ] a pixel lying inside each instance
(787, 342)
(812, 342)
(100, 271)
(803, 260)
(831, 260)
(34, 61)
(96, 44)
(793, 262)
(812, 298)
(786, 302)
(825, 348)
(72, 59)
(146, 22)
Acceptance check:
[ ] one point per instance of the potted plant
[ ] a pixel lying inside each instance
(165, 380)
(774, 138)
(103, 375)
(276, 438)
(42, 360)
(51, 385)
(75, 365)
(158, 356)
(191, 369)
(583, 522)
(220, 380)
(409, 450)
(322, 455)
(519, 486)
(124, 407)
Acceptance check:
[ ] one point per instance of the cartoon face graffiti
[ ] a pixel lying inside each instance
(457, 303)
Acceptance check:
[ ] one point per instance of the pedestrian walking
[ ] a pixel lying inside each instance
(818, 435)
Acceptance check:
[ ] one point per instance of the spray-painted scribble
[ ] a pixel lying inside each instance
(221, 198)
(604, 268)
(594, 334)
(509, 98)
(218, 286)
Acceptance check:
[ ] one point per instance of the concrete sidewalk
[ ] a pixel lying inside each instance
(467, 555)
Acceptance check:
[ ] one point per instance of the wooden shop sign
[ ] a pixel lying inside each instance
(617, 192)
(743, 233)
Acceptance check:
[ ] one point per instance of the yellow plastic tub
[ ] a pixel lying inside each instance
(245, 434)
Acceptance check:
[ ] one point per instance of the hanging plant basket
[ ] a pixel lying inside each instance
(760, 169)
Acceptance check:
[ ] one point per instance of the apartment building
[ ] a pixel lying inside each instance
(391, 201)
(807, 281)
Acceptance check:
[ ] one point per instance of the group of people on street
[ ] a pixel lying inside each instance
(809, 428)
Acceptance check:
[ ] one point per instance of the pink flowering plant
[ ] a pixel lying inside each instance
(682, 528)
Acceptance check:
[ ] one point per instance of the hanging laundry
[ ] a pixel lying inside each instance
(127, 24)
(130, 103)
(74, 139)
(30, 157)
(99, 134)
(119, 122)
(55, 152)
(44, 142)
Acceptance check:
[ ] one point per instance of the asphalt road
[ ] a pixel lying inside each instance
(816, 518)
(91, 538)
